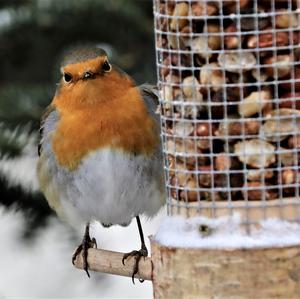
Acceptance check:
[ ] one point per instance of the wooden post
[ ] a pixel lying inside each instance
(266, 273)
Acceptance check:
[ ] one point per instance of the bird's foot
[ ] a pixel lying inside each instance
(87, 242)
(137, 254)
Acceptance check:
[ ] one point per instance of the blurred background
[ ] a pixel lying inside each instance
(36, 248)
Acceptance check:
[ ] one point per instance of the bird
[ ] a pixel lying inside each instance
(100, 155)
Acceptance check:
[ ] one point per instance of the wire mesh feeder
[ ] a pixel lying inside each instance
(229, 78)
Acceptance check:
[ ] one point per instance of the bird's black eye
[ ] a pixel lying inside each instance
(67, 77)
(106, 67)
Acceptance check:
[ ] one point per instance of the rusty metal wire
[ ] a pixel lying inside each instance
(229, 80)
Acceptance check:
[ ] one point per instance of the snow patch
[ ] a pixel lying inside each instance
(225, 232)
(21, 171)
(42, 268)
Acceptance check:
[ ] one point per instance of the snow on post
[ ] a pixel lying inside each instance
(229, 82)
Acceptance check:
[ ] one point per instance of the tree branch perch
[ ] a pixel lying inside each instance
(111, 262)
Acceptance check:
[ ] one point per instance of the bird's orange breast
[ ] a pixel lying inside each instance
(121, 121)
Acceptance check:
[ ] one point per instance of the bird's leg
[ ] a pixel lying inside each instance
(87, 242)
(137, 254)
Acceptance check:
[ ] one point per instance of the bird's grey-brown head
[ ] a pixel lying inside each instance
(83, 63)
(80, 54)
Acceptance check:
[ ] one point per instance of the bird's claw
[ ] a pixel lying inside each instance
(87, 243)
(76, 253)
(137, 254)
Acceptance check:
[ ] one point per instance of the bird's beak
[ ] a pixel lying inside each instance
(88, 75)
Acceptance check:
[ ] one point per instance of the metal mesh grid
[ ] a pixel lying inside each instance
(229, 80)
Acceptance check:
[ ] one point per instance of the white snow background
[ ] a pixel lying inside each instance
(43, 268)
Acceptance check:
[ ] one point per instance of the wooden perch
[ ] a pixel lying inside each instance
(111, 262)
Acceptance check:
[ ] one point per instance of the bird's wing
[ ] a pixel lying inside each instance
(150, 97)
(48, 121)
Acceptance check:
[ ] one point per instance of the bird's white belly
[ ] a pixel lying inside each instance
(110, 187)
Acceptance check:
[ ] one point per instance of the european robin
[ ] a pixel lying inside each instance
(100, 151)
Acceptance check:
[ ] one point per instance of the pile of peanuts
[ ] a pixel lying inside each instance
(230, 94)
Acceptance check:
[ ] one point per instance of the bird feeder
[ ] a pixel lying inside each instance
(229, 80)
(229, 83)
(229, 76)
